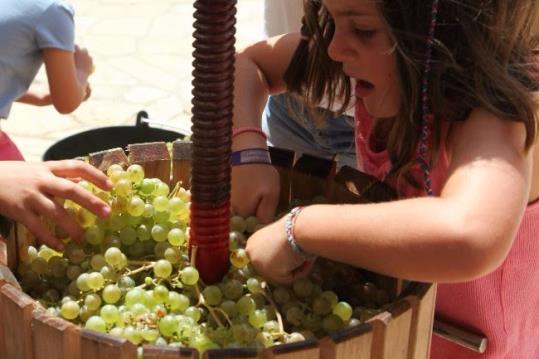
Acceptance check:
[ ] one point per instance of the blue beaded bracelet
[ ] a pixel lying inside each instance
(289, 227)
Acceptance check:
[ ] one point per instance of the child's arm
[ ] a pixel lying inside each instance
(463, 234)
(67, 74)
(31, 190)
(259, 71)
(35, 98)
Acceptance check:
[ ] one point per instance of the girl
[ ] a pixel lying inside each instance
(33, 32)
(286, 120)
(445, 113)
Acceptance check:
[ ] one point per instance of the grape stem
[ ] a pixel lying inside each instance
(175, 190)
(139, 263)
(199, 294)
(225, 315)
(201, 301)
(141, 269)
(267, 294)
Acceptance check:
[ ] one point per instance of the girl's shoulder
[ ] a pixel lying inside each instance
(34, 9)
(483, 121)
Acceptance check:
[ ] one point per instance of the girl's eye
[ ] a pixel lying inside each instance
(365, 34)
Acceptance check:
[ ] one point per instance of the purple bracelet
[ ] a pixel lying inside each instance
(250, 156)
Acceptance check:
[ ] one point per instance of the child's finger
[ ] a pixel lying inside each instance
(36, 227)
(56, 212)
(265, 211)
(63, 188)
(76, 168)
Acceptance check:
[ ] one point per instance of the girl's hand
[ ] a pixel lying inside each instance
(273, 258)
(31, 190)
(255, 191)
(88, 92)
(83, 60)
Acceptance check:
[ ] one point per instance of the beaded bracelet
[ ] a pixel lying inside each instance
(238, 131)
(289, 227)
(250, 156)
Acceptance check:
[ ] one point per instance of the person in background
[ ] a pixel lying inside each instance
(33, 32)
(447, 113)
(288, 120)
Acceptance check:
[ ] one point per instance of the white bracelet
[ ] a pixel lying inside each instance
(289, 227)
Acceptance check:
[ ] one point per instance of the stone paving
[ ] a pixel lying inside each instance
(142, 52)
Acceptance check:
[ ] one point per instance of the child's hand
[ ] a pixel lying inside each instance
(83, 60)
(273, 258)
(31, 190)
(255, 191)
(88, 92)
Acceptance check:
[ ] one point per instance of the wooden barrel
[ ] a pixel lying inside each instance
(403, 331)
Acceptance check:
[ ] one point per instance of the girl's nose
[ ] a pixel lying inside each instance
(339, 49)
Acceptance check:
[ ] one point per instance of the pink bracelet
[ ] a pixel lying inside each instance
(238, 131)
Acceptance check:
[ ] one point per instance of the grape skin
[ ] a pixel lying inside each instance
(91, 283)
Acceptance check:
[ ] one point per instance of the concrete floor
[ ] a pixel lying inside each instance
(142, 52)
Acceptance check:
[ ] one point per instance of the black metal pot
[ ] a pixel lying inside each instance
(104, 138)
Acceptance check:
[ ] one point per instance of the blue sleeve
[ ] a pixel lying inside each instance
(56, 27)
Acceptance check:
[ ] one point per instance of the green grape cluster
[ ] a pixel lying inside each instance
(132, 277)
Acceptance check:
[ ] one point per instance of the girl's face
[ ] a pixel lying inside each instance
(362, 43)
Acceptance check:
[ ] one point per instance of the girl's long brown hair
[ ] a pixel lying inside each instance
(483, 58)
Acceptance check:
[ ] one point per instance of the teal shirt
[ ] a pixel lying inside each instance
(26, 28)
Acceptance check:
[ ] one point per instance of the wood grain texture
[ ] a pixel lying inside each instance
(153, 157)
(95, 345)
(16, 312)
(422, 304)
(54, 337)
(163, 352)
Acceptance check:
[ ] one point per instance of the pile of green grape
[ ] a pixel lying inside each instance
(132, 277)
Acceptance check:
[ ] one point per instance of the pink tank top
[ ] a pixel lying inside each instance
(8, 150)
(503, 305)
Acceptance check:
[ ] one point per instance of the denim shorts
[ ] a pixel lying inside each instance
(289, 125)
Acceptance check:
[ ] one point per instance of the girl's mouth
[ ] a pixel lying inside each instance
(364, 88)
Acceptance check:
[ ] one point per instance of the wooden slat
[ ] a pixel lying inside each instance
(16, 315)
(379, 325)
(366, 186)
(3, 251)
(355, 342)
(182, 155)
(104, 159)
(232, 353)
(98, 345)
(422, 304)
(154, 157)
(339, 194)
(307, 349)
(5, 230)
(54, 337)
(311, 177)
(7, 276)
(283, 160)
(11, 249)
(398, 331)
(164, 352)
